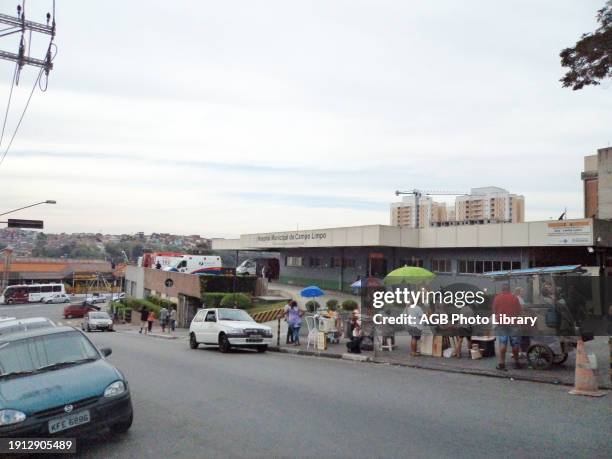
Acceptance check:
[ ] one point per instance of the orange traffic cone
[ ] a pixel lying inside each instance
(586, 383)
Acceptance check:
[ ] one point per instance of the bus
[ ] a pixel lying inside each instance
(29, 293)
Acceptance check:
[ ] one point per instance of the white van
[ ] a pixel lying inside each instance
(197, 264)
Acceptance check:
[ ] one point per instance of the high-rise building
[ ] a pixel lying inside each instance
(483, 205)
(597, 178)
(490, 204)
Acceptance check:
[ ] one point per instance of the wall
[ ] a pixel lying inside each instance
(134, 281)
(604, 182)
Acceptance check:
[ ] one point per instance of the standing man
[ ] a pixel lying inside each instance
(172, 319)
(289, 328)
(507, 304)
(163, 318)
(144, 315)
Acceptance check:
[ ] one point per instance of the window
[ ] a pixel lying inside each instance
(199, 317)
(462, 266)
(488, 266)
(182, 264)
(46, 289)
(210, 317)
(516, 265)
(294, 261)
(315, 262)
(57, 288)
(506, 265)
(350, 263)
(335, 262)
(441, 266)
(411, 262)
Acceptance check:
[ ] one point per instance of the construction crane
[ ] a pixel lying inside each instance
(419, 193)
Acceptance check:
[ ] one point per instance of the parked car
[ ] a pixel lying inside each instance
(56, 298)
(61, 385)
(118, 296)
(79, 309)
(97, 320)
(228, 328)
(96, 298)
(13, 325)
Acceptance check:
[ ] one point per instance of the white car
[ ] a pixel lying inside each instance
(118, 296)
(228, 328)
(97, 320)
(95, 298)
(56, 298)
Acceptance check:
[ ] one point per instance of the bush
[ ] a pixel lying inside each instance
(161, 302)
(239, 300)
(349, 305)
(332, 305)
(225, 283)
(136, 304)
(123, 311)
(312, 306)
(212, 299)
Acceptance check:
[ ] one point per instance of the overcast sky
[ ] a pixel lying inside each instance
(221, 118)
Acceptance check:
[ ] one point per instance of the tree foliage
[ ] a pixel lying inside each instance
(590, 60)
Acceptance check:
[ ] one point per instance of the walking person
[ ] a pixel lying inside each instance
(507, 304)
(163, 318)
(144, 316)
(172, 319)
(150, 320)
(294, 319)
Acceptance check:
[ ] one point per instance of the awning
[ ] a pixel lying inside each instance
(566, 269)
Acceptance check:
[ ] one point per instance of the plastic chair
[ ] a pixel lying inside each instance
(312, 332)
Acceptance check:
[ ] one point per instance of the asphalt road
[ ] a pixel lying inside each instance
(201, 403)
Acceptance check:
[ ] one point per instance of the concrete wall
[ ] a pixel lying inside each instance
(134, 281)
(604, 182)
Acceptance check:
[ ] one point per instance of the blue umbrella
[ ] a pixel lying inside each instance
(312, 292)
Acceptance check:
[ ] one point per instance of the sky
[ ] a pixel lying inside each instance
(223, 118)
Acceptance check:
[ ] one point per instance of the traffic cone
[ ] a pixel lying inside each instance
(585, 383)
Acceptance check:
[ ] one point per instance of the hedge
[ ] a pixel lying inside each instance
(332, 305)
(212, 299)
(161, 302)
(239, 300)
(349, 305)
(312, 306)
(225, 283)
(136, 304)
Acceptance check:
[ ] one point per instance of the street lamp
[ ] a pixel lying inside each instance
(48, 201)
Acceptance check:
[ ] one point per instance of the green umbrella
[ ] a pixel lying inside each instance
(408, 275)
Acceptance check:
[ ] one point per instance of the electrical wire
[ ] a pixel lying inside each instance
(21, 117)
(8, 104)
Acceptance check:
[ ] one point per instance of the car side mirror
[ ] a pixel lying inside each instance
(106, 351)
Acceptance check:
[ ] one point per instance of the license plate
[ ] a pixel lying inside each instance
(69, 421)
(254, 339)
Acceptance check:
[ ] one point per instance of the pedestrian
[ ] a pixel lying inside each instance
(144, 316)
(158, 265)
(356, 336)
(289, 328)
(507, 304)
(294, 318)
(163, 318)
(172, 319)
(150, 320)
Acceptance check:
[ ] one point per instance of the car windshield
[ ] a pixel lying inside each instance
(46, 352)
(98, 315)
(234, 314)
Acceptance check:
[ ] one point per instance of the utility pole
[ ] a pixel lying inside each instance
(19, 24)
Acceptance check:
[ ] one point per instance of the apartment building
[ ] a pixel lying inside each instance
(490, 204)
(483, 205)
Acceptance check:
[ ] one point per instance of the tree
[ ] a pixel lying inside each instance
(590, 60)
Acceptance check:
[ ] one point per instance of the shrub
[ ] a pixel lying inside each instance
(212, 299)
(161, 302)
(312, 306)
(136, 304)
(239, 300)
(349, 305)
(332, 305)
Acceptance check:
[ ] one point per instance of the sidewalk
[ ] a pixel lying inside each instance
(558, 374)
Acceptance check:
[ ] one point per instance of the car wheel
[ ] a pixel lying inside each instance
(540, 357)
(224, 344)
(193, 344)
(122, 427)
(262, 348)
(9, 301)
(69, 316)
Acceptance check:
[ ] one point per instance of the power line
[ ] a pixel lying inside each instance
(8, 104)
(21, 117)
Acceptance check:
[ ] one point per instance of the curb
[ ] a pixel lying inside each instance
(466, 371)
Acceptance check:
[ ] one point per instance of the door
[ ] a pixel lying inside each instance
(197, 325)
(210, 327)
(377, 265)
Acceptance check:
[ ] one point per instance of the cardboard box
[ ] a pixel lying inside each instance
(436, 350)
(321, 341)
(426, 344)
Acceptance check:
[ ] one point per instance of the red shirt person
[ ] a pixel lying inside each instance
(505, 303)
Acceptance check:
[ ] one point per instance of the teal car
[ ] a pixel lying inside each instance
(55, 382)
